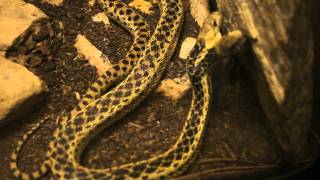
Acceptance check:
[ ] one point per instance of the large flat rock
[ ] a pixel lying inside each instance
(281, 64)
(20, 91)
(15, 17)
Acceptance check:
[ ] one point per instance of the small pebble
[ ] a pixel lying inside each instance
(12, 53)
(151, 117)
(43, 48)
(80, 16)
(35, 61)
(50, 30)
(30, 44)
(49, 67)
(22, 50)
(41, 34)
(72, 31)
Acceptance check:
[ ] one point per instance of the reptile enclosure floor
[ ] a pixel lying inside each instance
(237, 143)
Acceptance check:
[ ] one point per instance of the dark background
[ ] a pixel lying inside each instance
(314, 171)
(315, 15)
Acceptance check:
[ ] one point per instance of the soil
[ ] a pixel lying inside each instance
(237, 141)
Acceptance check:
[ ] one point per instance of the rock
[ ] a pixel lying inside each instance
(174, 88)
(21, 50)
(30, 44)
(143, 5)
(20, 91)
(35, 61)
(91, 3)
(42, 48)
(36, 44)
(15, 17)
(186, 47)
(50, 29)
(40, 34)
(49, 66)
(280, 64)
(92, 54)
(199, 9)
(54, 2)
(101, 17)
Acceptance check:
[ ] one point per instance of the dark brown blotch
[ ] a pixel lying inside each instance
(120, 172)
(115, 102)
(128, 85)
(128, 11)
(106, 102)
(140, 167)
(91, 111)
(119, 5)
(116, 67)
(118, 94)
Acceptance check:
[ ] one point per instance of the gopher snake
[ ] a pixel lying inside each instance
(94, 114)
(140, 30)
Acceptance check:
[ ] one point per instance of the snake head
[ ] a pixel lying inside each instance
(211, 45)
(208, 36)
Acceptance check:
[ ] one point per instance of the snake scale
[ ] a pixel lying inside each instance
(98, 110)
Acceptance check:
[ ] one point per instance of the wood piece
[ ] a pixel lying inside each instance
(281, 63)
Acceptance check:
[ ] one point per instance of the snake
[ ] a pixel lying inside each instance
(76, 129)
(139, 29)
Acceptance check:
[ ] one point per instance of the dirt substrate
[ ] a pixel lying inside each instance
(237, 140)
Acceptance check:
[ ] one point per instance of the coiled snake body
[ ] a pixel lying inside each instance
(93, 114)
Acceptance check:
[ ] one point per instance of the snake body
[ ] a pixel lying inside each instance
(73, 134)
(95, 113)
(132, 22)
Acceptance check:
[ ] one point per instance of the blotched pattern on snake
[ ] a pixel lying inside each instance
(95, 113)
